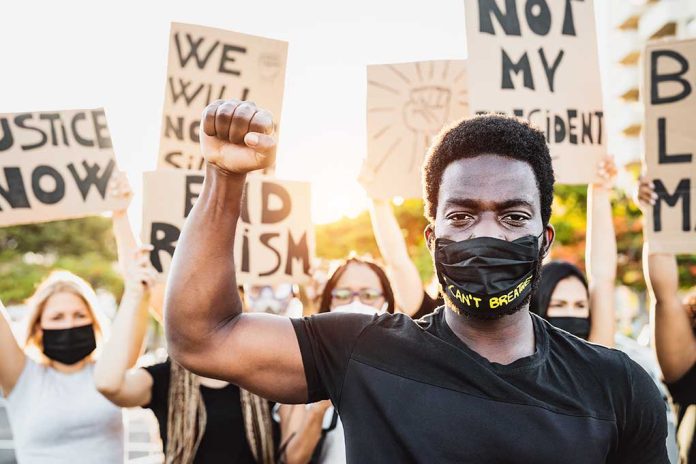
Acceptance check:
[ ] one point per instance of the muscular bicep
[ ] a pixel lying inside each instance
(258, 352)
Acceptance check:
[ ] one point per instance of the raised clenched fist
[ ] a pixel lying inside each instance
(427, 109)
(236, 136)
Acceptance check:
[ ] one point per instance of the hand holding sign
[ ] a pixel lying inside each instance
(235, 136)
(120, 191)
(646, 196)
(139, 275)
(606, 173)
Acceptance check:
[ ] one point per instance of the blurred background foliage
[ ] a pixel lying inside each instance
(29, 253)
(569, 219)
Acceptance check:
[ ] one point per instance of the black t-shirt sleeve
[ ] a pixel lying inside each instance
(683, 391)
(326, 343)
(161, 373)
(643, 427)
(428, 305)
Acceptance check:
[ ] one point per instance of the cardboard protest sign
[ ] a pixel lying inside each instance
(538, 60)
(274, 239)
(407, 105)
(205, 65)
(55, 165)
(669, 97)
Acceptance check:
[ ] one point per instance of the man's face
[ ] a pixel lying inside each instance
(489, 196)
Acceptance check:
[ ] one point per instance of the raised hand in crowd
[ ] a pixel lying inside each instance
(601, 254)
(205, 327)
(674, 319)
(13, 357)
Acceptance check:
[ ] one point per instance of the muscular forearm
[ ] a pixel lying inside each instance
(123, 348)
(201, 296)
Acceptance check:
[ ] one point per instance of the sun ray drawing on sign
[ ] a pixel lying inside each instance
(407, 105)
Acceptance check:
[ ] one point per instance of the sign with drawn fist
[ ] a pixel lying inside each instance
(407, 105)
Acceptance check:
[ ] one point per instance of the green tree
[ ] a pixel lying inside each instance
(29, 253)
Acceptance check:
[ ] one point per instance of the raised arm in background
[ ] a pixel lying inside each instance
(13, 358)
(674, 339)
(113, 375)
(601, 255)
(206, 330)
(403, 273)
(300, 429)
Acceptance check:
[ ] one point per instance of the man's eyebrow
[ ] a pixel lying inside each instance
(473, 204)
(516, 203)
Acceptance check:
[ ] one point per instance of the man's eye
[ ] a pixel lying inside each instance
(459, 217)
(515, 218)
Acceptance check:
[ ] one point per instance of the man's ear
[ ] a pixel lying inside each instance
(549, 236)
(429, 234)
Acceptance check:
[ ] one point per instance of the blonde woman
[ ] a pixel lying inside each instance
(201, 420)
(56, 414)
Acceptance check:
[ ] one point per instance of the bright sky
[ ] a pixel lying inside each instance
(85, 54)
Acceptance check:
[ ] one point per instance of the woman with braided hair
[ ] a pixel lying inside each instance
(201, 420)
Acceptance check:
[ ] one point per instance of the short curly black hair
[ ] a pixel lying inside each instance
(488, 134)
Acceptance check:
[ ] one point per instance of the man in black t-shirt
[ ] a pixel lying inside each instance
(481, 380)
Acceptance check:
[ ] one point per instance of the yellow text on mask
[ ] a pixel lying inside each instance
(512, 295)
(463, 297)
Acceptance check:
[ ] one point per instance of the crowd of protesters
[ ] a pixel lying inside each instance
(378, 370)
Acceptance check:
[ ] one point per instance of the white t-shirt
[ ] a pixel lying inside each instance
(59, 418)
(334, 449)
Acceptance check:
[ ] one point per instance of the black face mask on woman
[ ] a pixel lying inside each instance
(487, 277)
(578, 326)
(69, 346)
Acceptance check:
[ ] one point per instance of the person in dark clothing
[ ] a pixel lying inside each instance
(201, 420)
(675, 328)
(564, 297)
(479, 380)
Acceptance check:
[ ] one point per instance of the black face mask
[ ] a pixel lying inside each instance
(69, 346)
(578, 326)
(487, 277)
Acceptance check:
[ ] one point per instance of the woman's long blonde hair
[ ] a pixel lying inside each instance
(60, 282)
(187, 418)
